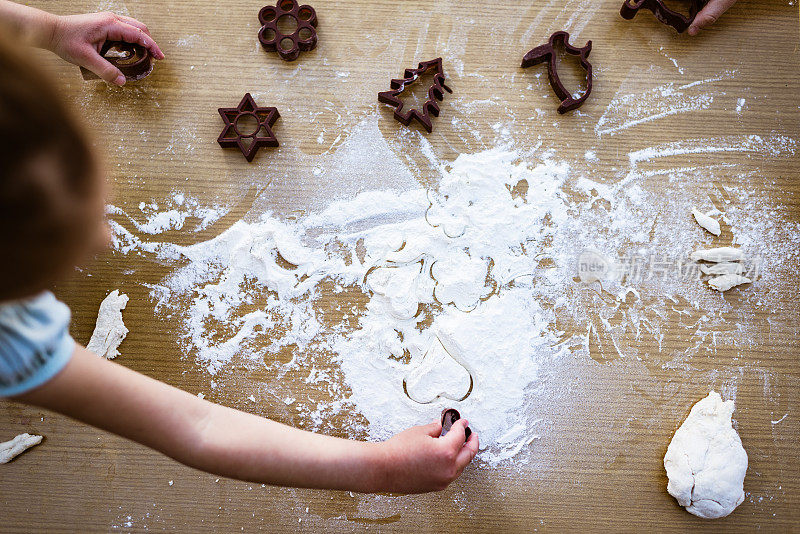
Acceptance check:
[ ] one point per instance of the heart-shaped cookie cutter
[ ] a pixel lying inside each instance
(449, 417)
(546, 52)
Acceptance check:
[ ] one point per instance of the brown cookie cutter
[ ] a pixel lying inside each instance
(664, 14)
(435, 94)
(272, 39)
(449, 417)
(133, 60)
(234, 133)
(546, 52)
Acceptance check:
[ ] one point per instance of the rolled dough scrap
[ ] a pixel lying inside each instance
(728, 281)
(109, 330)
(723, 268)
(11, 449)
(705, 460)
(709, 223)
(717, 255)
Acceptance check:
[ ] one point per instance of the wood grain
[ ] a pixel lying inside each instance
(600, 466)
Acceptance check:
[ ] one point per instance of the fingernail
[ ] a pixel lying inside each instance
(120, 80)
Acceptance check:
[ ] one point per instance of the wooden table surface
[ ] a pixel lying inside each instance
(600, 466)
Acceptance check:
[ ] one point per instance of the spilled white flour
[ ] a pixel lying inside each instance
(461, 295)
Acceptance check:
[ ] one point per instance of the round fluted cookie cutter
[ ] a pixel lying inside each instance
(272, 39)
(134, 61)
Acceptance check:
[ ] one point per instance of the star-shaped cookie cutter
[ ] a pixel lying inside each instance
(234, 133)
(271, 37)
(666, 15)
(435, 94)
(546, 52)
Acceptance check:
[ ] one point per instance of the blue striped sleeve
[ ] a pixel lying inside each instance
(35, 344)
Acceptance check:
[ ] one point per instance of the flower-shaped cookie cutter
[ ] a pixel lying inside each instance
(664, 14)
(288, 45)
(431, 105)
(258, 132)
(133, 61)
(546, 52)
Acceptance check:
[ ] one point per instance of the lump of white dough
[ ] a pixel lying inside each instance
(728, 281)
(709, 223)
(717, 255)
(109, 330)
(13, 448)
(723, 268)
(706, 462)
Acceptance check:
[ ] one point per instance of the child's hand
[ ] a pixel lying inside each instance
(709, 14)
(78, 39)
(418, 460)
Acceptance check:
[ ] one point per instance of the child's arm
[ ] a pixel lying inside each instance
(235, 444)
(78, 38)
(709, 14)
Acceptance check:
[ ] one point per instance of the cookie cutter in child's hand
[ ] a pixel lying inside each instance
(272, 39)
(546, 52)
(449, 417)
(666, 15)
(133, 60)
(431, 105)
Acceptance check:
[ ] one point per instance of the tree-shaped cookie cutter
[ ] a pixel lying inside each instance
(272, 39)
(546, 52)
(134, 61)
(431, 105)
(234, 133)
(664, 14)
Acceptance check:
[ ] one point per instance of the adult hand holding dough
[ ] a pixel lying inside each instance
(709, 15)
(706, 462)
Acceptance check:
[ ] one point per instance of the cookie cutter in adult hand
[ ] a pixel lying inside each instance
(271, 37)
(233, 135)
(664, 14)
(133, 61)
(546, 52)
(449, 417)
(431, 105)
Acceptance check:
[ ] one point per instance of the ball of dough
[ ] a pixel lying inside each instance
(706, 462)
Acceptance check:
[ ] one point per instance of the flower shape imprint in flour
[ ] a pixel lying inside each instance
(461, 280)
(402, 286)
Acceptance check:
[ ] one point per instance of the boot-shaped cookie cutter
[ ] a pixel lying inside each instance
(664, 14)
(546, 52)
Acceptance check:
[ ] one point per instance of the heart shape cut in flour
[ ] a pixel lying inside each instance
(402, 286)
(439, 374)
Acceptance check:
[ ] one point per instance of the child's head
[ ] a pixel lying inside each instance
(51, 205)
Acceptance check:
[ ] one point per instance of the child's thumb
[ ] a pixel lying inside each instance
(103, 68)
(456, 436)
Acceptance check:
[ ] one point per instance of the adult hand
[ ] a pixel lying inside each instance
(78, 39)
(710, 14)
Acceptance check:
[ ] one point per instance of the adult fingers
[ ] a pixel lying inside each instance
(122, 31)
(92, 60)
(709, 15)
